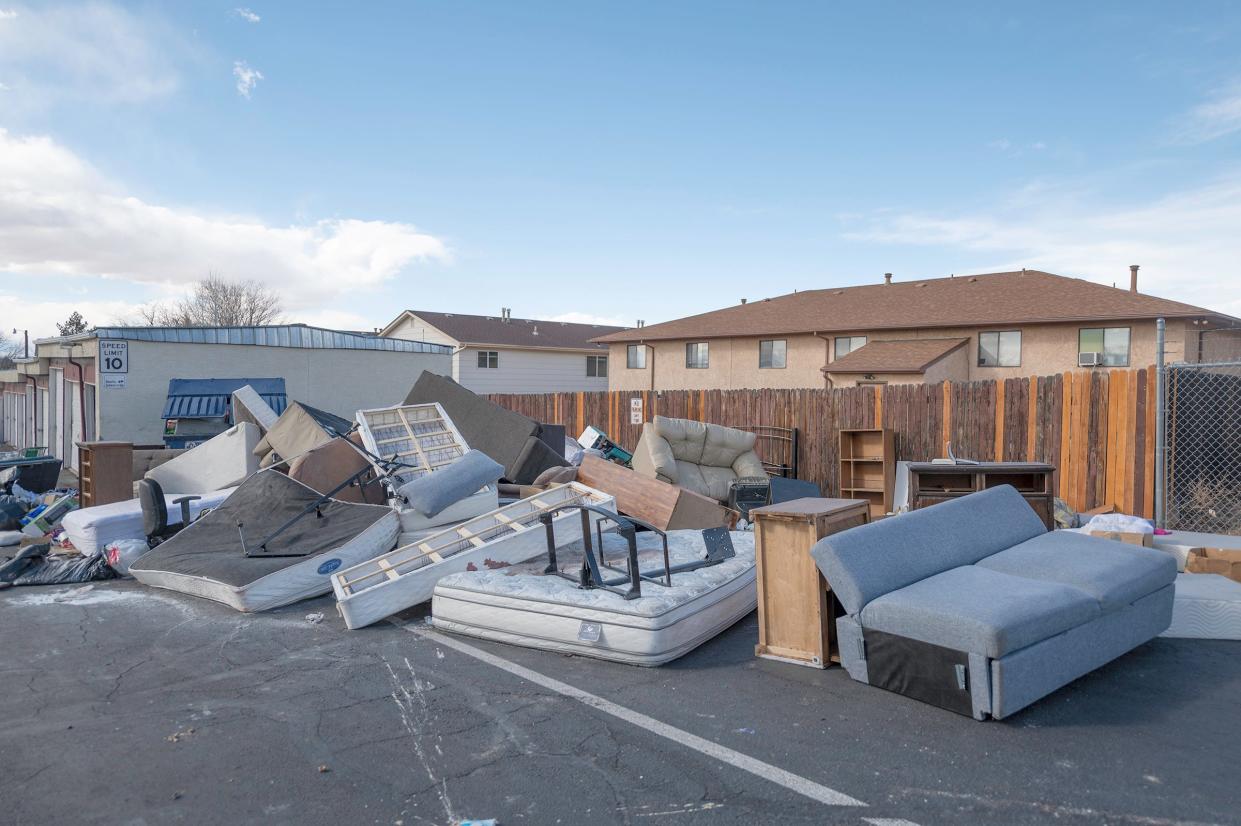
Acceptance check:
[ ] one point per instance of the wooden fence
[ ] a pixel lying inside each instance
(1096, 427)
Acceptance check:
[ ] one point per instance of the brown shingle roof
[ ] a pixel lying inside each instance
(517, 332)
(903, 356)
(1027, 297)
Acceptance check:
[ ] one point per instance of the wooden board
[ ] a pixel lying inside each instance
(665, 506)
(795, 616)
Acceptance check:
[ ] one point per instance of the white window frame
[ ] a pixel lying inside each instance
(488, 359)
(1105, 330)
(596, 363)
(852, 345)
(638, 350)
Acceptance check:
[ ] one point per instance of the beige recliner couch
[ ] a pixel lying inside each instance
(703, 458)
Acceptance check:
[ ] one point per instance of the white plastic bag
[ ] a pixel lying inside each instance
(123, 553)
(1119, 522)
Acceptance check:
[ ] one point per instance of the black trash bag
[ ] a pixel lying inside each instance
(11, 512)
(35, 565)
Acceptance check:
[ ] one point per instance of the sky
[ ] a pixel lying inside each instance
(607, 162)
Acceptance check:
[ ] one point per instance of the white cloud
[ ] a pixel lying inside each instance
(1186, 242)
(1214, 119)
(92, 52)
(247, 78)
(247, 15)
(590, 318)
(59, 215)
(40, 317)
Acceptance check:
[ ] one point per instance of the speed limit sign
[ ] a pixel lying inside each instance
(114, 357)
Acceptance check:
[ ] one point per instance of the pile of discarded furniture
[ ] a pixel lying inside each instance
(962, 597)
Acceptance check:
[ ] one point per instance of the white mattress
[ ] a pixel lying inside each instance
(521, 607)
(92, 529)
(476, 504)
(501, 538)
(1206, 607)
(225, 460)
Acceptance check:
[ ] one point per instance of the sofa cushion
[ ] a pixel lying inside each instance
(686, 438)
(689, 476)
(1114, 573)
(868, 561)
(718, 480)
(432, 492)
(981, 611)
(723, 445)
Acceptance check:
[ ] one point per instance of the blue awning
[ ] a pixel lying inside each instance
(212, 398)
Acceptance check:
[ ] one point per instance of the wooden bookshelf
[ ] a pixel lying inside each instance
(868, 467)
(105, 472)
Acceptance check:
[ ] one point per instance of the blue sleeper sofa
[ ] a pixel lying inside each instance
(974, 606)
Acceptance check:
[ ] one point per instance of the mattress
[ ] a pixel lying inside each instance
(92, 529)
(206, 559)
(368, 592)
(222, 461)
(1206, 607)
(522, 607)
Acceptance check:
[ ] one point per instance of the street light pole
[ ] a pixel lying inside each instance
(26, 347)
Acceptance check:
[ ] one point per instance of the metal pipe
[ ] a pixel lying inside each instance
(81, 394)
(34, 411)
(1161, 427)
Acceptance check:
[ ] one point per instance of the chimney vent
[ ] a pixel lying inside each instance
(743, 301)
(641, 323)
(887, 278)
(1133, 278)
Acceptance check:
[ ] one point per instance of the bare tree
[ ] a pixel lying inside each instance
(216, 302)
(8, 349)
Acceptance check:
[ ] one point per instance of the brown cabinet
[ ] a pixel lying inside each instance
(930, 483)
(796, 613)
(868, 467)
(105, 472)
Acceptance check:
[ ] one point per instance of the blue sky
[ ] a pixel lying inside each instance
(609, 161)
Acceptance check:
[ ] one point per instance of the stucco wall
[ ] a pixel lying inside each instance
(527, 371)
(339, 381)
(1045, 349)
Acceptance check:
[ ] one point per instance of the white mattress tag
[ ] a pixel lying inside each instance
(590, 632)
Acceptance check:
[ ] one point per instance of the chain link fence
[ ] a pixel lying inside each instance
(1203, 435)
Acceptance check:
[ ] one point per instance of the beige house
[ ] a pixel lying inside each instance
(964, 328)
(502, 354)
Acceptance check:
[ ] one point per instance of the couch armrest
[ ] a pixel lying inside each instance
(748, 464)
(653, 456)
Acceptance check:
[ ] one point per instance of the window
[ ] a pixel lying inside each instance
(696, 357)
(635, 357)
(489, 359)
(847, 344)
(1112, 342)
(596, 367)
(1001, 349)
(771, 354)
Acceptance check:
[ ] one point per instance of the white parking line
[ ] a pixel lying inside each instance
(758, 768)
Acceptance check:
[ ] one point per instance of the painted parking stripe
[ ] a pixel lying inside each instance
(888, 821)
(775, 774)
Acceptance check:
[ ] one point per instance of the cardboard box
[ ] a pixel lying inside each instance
(1215, 561)
(1146, 540)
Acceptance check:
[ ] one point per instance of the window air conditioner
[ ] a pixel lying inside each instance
(1089, 359)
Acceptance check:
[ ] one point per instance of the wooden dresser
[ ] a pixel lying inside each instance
(930, 483)
(105, 472)
(796, 617)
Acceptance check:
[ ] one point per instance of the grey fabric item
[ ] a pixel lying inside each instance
(510, 438)
(1032, 673)
(851, 648)
(432, 492)
(978, 610)
(1114, 573)
(556, 476)
(868, 561)
(211, 547)
(980, 685)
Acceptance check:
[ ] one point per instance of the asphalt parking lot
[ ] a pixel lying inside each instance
(123, 704)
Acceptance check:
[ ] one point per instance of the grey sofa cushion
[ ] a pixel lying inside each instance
(1114, 573)
(432, 492)
(981, 611)
(867, 562)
